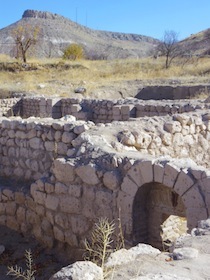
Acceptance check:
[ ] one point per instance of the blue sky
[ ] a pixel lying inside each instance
(145, 17)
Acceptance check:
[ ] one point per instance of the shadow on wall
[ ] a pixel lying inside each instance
(172, 93)
(153, 204)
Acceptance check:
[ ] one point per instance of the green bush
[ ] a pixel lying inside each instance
(73, 52)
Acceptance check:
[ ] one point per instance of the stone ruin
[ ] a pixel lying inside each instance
(65, 163)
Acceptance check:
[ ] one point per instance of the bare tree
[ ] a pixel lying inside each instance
(169, 47)
(25, 37)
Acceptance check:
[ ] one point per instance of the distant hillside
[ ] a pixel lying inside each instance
(57, 32)
(197, 44)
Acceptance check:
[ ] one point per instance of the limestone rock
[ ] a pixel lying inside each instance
(124, 256)
(144, 249)
(88, 174)
(185, 253)
(81, 270)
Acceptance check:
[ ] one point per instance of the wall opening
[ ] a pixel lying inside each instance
(172, 227)
(154, 203)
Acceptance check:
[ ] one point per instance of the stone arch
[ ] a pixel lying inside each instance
(174, 178)
(153, 204)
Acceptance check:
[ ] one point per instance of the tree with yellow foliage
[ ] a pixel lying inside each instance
(25, 37)
(73, 52)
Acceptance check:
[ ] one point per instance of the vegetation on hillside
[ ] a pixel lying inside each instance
(73, 52)
(57, 76)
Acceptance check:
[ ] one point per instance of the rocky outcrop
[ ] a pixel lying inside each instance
(40, 14)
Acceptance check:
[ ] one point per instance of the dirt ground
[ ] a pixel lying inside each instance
(46, 262)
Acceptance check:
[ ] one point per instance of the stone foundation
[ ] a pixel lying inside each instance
(67, 173)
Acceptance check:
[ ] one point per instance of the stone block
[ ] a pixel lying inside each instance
(67, 137)
(49, 188)
(47, 227)
(75, 190)
(36, 143)
(62, 220)
(71, 238)
(39, 197)
(64, 171)
(129, 187)
(111, 180)
(158, 173)
(9, 194)
(32, 218)
(61, 188)
(183, 183)
(193, 198)
(79, 225)
(141, 172)
(58, 234)
(11, 208)
(51, 202)
(170, 174)
(62, 148)
(12, 223)
(194, 215)
(50, 146)
(88, 174)
(116, 110)
(70, 205)
(40, 210)
(75, 108)
(21, 215)
(173, 127)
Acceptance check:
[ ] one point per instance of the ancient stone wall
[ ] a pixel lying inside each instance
(69, 179)
(182, 136)
(28, 148)
(172, 92)
(10, 107)
(98, 111)
(63, 205)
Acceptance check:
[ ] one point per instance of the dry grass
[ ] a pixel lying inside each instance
(58, 77)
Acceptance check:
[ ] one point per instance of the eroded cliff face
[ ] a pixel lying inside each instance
(41, 14)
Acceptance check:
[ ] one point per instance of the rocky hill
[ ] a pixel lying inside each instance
(56, 32)
(197, 44)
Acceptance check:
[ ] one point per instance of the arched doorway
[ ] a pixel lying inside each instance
(153, 204)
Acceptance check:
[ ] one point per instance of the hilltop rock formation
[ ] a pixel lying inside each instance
(57, 32)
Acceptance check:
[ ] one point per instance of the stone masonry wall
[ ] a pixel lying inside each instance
(10, 106)
(63, 205)
(28, 148)
(71, 181)
(98, 111)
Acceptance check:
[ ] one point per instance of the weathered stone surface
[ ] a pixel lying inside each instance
(185, 253)
(64, 171)
(79, 271)
(111, 180)
(88, 174)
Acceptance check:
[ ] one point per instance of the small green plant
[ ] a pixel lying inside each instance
(73, 52)
(18, 272)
